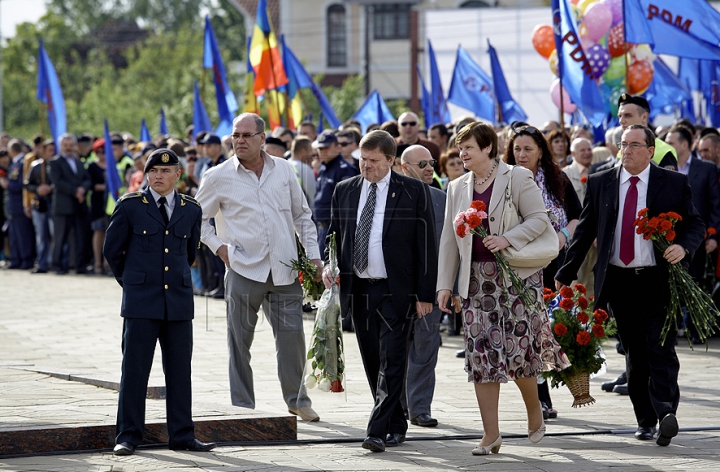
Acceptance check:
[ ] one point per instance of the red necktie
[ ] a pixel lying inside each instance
(627, 234)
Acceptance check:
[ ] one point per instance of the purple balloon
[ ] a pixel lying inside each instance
(616, 8)
(599, 59)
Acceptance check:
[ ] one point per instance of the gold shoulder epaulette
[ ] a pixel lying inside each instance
(188, 198)
(130, 195)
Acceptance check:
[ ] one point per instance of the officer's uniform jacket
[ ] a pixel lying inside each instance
(150, 260)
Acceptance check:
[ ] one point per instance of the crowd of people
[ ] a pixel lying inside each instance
(390, 195)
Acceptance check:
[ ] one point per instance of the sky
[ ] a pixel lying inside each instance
(13, 12)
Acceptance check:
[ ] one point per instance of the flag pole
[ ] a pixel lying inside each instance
(562, 105)
(42, 119)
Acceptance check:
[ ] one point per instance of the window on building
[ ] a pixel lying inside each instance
(336, 36)
(391, 21)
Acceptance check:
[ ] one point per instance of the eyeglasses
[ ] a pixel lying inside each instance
(344, 144)
(245, 136)
(632, 146)
(527, 129)
(423, 164)
(409, 123)
(191, 159)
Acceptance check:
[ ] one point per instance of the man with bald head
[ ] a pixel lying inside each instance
(709, 148)
(417, 163)
(409, 127)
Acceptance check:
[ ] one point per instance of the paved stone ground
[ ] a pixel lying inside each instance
(71, 325)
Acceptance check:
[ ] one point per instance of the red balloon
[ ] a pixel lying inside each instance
(543, 40)
(616, 41)
(640, 74)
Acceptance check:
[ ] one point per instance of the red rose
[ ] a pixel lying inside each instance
(567, 304)
(461, 231)
(583, 317)
(547, 291)
(473, 221)
(598, 331)
(643, 212)
(583, 338)
(670, 235)
(566, 292)
(300, 276)
(711, 231)
(674, 216)
(665, 225)
(478, 205)
(583, 179)
(336, 386)
(582, 303)
(547, 298)
(600, 315)
(580, 288)
(560, 329)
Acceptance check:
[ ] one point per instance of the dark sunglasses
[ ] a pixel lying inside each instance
(409, 123)
(525, 129)
(423, 164)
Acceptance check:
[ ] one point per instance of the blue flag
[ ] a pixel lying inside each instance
(713, 97)
(212, 59)
(201, 120)
(144, 132)
(320, 126)
(689, 72)
(374, 110)
(163, 123)
(690, 28)
(510, 110)
(425, 102)
(113, 182)
(471, 87)
(440, 113)
(574, 68)
(666, 91)
(304, 80)
(49, 92)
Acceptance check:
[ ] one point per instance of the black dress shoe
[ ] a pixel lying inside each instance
(394, 439)
(424, 420)
(374, 444)
(668, 429)
(645, 433)
(61, 272)
(608, 386)
(124, 449)
(460, 354)
(194, 445)
(621, 389)
(38, 270)
(218, 293)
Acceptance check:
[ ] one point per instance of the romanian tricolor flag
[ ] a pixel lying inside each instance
(251, 103)
(294, 113)
(264, 54)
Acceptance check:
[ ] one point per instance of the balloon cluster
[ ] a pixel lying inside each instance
(600, 27)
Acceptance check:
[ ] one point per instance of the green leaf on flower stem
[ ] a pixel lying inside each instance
(310, 354)
(321, 365)
(314, 365)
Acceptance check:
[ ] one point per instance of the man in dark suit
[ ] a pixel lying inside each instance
(152, 240)
(385, 230)
(22, 235)
(703, 177)
(631, 275)
(417, 163)
(70, 183)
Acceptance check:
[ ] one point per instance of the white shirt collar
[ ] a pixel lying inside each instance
(644, 175)
(169, 197)
(382, 183)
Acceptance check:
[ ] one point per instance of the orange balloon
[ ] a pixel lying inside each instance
(616, 41)
(543, 40)
(640, 74)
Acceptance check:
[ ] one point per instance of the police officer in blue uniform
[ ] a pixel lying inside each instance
(22, 233)
(151, 242)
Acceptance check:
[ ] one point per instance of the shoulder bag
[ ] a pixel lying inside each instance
(537, 253)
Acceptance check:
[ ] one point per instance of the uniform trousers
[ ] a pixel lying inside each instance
(22, 238)
(176, 342)
(639, 301)
(282, 305)
(382, 335)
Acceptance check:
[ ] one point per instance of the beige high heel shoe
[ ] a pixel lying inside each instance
(486, 450)
(537, 435)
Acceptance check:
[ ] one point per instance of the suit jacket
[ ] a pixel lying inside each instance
(455, 250)
(408, 240)
(151, 261)
(703, 177)
(667, 191)
(438, 198)
(65, 185)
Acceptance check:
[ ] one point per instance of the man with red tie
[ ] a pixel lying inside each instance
(631, 275)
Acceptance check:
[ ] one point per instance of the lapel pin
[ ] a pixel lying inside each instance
(182, 202)
(393, 195)
(144, 200)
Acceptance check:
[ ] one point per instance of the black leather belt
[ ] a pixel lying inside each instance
(372, 281)
(633, 270)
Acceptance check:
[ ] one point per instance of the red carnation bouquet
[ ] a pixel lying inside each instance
(684, 292)
(470, 222)
(580, 331)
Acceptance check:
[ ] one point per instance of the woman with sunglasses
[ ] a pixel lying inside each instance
(529, 148)
(501, 345)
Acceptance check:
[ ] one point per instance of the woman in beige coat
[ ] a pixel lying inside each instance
(504, 339)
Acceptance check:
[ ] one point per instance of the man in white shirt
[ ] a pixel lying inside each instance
(300, 157)
(258, 205)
